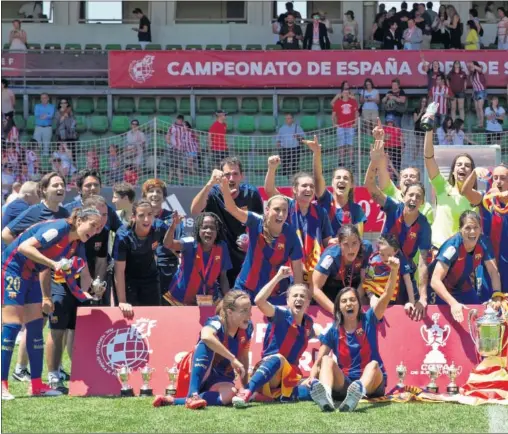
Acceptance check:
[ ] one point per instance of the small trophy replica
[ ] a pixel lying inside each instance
(146, 375)
(427, 123)
(452, 372)
(433, 373)
(173, 379)
(401, 373)
(97, 284)
(123, 374)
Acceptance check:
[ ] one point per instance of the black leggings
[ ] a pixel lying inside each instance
(143, 293)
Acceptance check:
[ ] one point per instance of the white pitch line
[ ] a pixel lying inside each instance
(498, 418)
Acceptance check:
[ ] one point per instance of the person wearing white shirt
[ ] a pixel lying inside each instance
(494, 117)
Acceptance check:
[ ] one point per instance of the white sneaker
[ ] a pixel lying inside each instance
(322, 397)
(6, 395)
(354, 394)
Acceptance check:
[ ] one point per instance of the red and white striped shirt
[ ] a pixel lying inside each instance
(175, 137)
(478, 81)
(439, 95)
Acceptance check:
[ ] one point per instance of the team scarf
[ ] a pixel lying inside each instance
(312, 240)
(492, 203)
(377, 276)
(70, 277)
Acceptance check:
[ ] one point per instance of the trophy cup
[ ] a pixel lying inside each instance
(173, 378)
(96, 284)
(487, 332)
(433, 373)
(452, 372)
(401, 373)
(427, 123)
(146, 375)
(123, 374)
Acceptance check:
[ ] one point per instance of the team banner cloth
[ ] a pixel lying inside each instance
(289, 69)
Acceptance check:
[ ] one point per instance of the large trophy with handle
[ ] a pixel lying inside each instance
(487, 332)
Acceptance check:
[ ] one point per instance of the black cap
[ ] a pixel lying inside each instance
(220, 112)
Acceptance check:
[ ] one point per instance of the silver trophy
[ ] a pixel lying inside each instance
(123, 374)
(433, 373)
(427, 122)
(146, 375)
(452, 372)
(173, 380)
(97, 286)
(401, 373)
(487, 332)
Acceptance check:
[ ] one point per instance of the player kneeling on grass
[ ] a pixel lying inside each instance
(207, 375)
(289, 330)
(359, 369)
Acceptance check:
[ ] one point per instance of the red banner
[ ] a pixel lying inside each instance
(375, 216)
(296, 69)
(105, 341)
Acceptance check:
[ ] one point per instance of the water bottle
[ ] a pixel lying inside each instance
(427, 123)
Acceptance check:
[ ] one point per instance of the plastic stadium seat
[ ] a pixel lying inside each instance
(413, 104)
(84, 106)
(193, 47)
(185, 106)
(72, 47)
(18, 105)
(246, 124)
(93, 47)
(372, 45)
(102, 105)
(310, 105)
(203, 123)
(30, 124)
(207, 105)
(6, 46)
(229, 105)
(142, 119)
(134, 47)
(113, 47)
(230, 124)
(335, 46)
(326, 121)
(234, 47)
(34, 46)
(437, 46)
(81, 124)
(249, 105)
(273, 47)
(153, 47)
(173, 47)
(52, 46)
(242, 144)
(120, 124)
(266, 124)
(309, 123)
(250, 47)
(327, 108)
(20, 122)
(146, 105)
(267, 105)
(290, 104)
(99, 124)
(167, 105)
(212, 47)
(125, 105)
(164, 120)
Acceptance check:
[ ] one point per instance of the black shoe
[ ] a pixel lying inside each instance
(22, 375)
(64, 375)
(58, 385)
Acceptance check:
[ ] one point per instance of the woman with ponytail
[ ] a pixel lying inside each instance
(207, 374)
(26, 285)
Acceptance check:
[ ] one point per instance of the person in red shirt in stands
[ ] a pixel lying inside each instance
(345, 112)
(393, 142)
(217, 138)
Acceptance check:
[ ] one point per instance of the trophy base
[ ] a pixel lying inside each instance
(170, 392)
(146, 392)
(426, 126)
(452, 390)
(433, 389)
(126, 393)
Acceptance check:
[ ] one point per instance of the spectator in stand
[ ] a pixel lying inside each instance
(289, 10)
(472, 39)
(276, 26)
(176, 149)
(369, 100)
(494, 115)
(457, 80)
(395, 102)
(430, 13)
(349, 31)
(392, 39)
(24, 176)
(344, 115)
(288, 141)
(8, 99)
(490, 16)
(115, 172)
(131, 174)
(291, 34)
(325, 21)
(92, 159)
(64, 157)
(378, 33)
(44, 114)
(17, 37)
(32, 159)
(418, 114)
(440, 31)
(8, 178)
(445, 132)
(473, 15)
(402, 18)
(423, 22)
(412, 36)
(12, 157)
(479, 84)
(10, 133)
(191, 147)
(316, 35)
(458, 135)
(136, 139)
(66, 126)
(217, 138)
(393, 142)
(433, 71)
(455, 27)
(502, 29)
(440, 94)
(144, 29)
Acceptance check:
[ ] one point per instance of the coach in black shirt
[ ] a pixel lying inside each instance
(144, 30)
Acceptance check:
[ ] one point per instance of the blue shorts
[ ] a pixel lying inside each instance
(469, 297)
(479, 94)
(345, 136)
(340, 395)
(18, 292)
(459, 95)
(66, 308)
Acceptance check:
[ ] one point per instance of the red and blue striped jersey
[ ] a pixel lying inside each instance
(311, 228)
(495, 226)
(355, 350)
(263, 259)
(285, 337)
(53, 238)
(199, 271)
(411, 238)
(461, 276)
(237, 345)
(351, 213)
